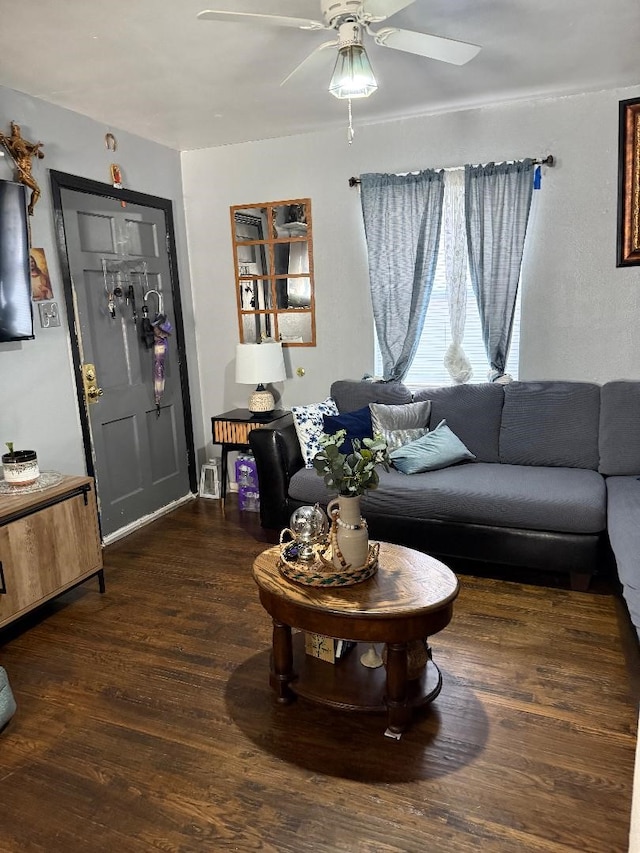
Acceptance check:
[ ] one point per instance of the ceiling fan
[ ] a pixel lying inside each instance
(353, 76)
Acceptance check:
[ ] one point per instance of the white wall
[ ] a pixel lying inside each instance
(579, 312)
(38, 405)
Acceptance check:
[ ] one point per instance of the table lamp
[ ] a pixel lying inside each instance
(257, 364)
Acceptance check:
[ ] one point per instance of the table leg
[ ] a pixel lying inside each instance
(282, 662)
(223, 474)
(399, 710)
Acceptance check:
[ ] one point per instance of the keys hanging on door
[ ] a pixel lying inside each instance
(109, 289)
(131, 298)
(117, 290)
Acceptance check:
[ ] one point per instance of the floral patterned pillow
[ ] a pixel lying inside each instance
(310, 426)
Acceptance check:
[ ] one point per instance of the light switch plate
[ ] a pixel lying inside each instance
(49, 314)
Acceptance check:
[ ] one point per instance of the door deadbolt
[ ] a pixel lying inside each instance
(91, 389)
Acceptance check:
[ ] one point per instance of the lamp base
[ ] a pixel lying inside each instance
(261, 401)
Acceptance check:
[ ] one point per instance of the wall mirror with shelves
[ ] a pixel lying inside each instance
(273, 263)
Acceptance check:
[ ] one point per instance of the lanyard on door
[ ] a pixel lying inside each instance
(160, 331)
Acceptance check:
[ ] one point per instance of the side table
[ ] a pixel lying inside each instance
(231, 430)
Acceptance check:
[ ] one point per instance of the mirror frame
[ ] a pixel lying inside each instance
(267, 317)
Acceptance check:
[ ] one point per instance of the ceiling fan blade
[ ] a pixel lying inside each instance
(380, 10)
(271, 20)
(423, 44)
(310, 60)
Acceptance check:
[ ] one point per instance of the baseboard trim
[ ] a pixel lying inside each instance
(146, 519)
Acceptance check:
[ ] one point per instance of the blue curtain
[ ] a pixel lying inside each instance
(402, 217)
(497, 204)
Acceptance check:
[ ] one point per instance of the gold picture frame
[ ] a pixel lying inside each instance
(628, 249)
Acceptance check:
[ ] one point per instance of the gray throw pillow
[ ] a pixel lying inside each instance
(401, 424)
(405, 416)
(398, 424)
(399, 437)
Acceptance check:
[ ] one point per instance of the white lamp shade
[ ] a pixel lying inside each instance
(258, 364)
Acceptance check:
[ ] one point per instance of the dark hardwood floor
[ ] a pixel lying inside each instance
(145, 721)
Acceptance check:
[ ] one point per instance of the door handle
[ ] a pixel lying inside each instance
(91, 390)
(93, 393)
(3, 585)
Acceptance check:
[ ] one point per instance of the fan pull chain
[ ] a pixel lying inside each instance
(350, 131)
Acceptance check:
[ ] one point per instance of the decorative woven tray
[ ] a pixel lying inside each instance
(322, 572)
(44, 481)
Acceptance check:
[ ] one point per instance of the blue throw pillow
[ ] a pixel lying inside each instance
(437, 449)
(357, 424)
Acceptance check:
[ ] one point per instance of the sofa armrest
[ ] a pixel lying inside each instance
(277, 453)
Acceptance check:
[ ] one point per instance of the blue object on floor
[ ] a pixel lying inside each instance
(7, 702)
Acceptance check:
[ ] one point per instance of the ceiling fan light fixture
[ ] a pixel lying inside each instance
(353, 75)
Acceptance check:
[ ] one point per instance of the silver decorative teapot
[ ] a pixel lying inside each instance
(308, 526)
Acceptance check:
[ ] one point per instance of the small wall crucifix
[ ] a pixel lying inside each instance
(21, 152)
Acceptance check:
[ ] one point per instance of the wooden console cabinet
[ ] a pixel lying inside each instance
(49, 542)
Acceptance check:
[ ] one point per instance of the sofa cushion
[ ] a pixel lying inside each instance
(309, 424)
(473, 413)
(623, 511)
(550, 423)
(562, 500)
(619, 433)
(437, 449)
(356, 424)
(351, 394)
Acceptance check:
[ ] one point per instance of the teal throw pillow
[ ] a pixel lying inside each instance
(437, 449)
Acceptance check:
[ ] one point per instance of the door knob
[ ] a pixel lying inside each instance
(91, 390)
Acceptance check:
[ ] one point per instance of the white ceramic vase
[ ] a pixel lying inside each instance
(352, 535)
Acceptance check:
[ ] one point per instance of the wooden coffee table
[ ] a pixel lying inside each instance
(409, 598)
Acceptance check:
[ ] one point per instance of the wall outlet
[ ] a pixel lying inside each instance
(49, 314)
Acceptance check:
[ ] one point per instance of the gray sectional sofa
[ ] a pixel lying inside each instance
(555, 484)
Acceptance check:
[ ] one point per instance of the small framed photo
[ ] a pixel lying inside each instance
(628, 248)
(40, 282)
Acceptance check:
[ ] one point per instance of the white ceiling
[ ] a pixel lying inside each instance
(151, 68)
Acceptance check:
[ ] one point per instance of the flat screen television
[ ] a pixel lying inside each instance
(16, 315)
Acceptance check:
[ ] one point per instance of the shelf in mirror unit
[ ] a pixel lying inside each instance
(273, 261)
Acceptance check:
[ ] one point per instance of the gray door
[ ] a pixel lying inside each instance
(117, 254)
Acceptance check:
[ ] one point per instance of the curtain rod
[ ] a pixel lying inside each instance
(548, 161)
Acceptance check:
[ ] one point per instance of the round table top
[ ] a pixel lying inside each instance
(407, 583)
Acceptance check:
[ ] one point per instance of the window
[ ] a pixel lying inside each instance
(428, 365)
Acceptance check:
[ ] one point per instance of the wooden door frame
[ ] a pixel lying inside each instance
(63, 181)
